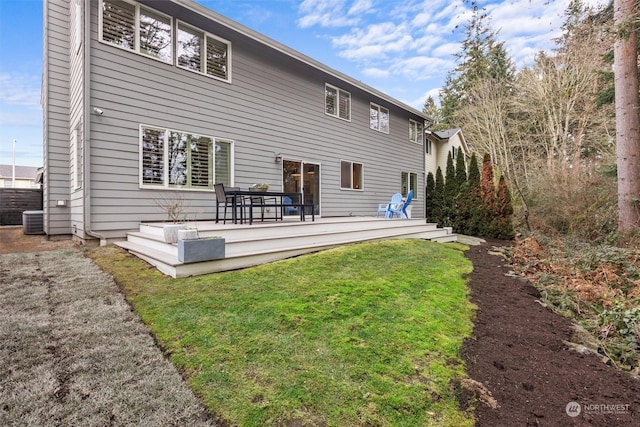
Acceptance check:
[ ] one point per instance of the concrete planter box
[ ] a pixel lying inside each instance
(171, 232)
(199, 250)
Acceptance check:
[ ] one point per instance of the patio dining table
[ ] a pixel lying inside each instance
(237, 197)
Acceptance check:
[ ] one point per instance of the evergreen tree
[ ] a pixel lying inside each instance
(487, 188)
(431, 109)
(438, 197)
(430, 192)
(503, 219)
(474, 171)
(461, 213)
(481, 58)
(450, 192)
(461, 170)
(474, 201)
(487, 198)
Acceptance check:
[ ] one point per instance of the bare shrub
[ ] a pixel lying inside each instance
(580, 200)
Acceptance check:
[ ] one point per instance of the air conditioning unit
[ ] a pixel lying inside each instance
(33, 222)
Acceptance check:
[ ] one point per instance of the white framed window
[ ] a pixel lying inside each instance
(337, 102)
(138, 28)
(202, 52)
(415, 132)
(378, 118)
(75, 149)
(177, 159)
(454, 152)
(77, 25)
(351, 175)
(428, 147)
(408, 182)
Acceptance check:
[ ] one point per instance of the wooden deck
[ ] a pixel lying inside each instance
(250, 245)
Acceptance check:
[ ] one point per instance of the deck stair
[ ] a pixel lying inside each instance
(249, 245)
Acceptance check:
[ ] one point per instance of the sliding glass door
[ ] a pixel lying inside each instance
(301, 177)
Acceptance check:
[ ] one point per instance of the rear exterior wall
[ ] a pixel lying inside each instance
(274, 104)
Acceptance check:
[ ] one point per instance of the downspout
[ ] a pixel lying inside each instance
(86, 127)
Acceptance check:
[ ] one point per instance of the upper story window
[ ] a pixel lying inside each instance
(415, 132)
(337, 102)
(454, 152)
(174, 159)
(202, 52)
(351, 175)
(428, 148)
(378, 118)
(137, 28)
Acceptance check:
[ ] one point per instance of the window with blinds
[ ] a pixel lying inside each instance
(379, 118)
(155, 35)
(174, 159)
(337, 102)
(190, 45)
(202, 52)
(119, 23)
(137, 28)
(152, 152)
(223, 161)
(217, 54)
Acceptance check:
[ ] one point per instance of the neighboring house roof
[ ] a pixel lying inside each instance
(190, 4)
(447, 134)
(22, 172)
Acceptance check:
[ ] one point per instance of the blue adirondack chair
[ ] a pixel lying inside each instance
(396, 200)
(289, 210)
(401, 211)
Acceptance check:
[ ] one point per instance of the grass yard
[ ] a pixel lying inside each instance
(366, 334)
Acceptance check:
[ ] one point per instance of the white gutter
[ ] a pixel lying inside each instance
(86, 127)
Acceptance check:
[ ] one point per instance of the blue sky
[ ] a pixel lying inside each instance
(402, 47)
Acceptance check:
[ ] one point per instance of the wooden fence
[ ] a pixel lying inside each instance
(14, 201)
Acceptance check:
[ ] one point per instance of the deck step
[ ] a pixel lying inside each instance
(266, 242)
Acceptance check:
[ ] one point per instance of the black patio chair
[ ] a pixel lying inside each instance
(222, 198)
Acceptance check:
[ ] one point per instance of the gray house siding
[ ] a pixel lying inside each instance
(275, 104)
(55, 103)
(76, 115)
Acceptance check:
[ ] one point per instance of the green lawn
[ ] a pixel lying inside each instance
(366, 334)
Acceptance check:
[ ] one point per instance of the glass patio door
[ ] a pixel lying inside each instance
(301, 177)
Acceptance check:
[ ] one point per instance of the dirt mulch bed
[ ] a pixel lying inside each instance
(520, 352)
(13, 240)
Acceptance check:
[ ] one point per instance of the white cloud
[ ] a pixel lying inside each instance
(20, 89)
(329, 13)
(374, 42)
(361, 6)
(393, 42)
(376, 73)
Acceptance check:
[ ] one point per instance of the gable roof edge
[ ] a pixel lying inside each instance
(261, 38)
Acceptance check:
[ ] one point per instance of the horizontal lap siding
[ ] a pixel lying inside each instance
(273, 105)
(56, 115)
(76, 113)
